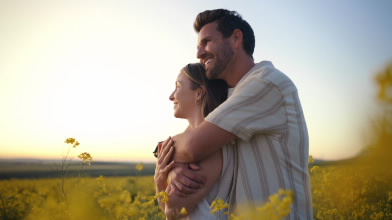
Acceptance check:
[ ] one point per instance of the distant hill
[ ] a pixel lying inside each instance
(43, 168)
(40, 168)
(330, 162)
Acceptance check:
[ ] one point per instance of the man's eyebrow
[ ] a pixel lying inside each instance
(203, 40)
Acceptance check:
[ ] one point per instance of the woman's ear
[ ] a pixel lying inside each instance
(200, 94)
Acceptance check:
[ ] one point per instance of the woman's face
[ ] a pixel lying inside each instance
(184, 98)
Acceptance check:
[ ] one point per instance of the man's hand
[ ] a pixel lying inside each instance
(184, 179)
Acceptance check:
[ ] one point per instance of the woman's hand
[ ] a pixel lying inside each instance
(164, 164)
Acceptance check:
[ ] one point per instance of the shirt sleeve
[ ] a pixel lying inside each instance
(256, 106)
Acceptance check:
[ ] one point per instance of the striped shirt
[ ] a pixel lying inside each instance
(272, 145)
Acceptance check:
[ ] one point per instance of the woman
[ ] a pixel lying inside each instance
(194, 98)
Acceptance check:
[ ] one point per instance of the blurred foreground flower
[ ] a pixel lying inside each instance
(278, 206)
(163, 196)
(139, 167)
(218, 205)
(183, 211)
(86, 157)
(384, 80)
(234, 217)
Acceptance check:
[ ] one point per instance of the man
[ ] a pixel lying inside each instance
(263, 115)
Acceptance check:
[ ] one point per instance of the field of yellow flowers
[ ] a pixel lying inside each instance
(360, 188)
(86, 198)
(343, 191)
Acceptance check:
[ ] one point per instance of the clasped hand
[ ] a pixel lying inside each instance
(178, 178)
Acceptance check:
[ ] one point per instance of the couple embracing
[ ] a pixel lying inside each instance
(247, 137)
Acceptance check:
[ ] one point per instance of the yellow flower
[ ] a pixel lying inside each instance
(389, 196)
(279, 205)
(72, 141)
(311, 159)
(234, 217)
(377, 215)
(86, 157)
(183, 211)
(218, 205)
(139, 167)
(163, 196)
(384, 80)
(125, 196)
(100, 178)
(314, 169)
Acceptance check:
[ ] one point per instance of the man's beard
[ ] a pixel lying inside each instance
(222, 58)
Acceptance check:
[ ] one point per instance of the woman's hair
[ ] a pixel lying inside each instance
(215, 90)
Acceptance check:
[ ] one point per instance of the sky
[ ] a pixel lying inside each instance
(102, 71)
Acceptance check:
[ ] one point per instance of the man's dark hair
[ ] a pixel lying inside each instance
(227, 22)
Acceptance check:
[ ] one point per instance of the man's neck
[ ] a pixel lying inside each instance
(240, 67)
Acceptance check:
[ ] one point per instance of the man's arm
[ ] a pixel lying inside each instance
(199, 143)
(190, 201)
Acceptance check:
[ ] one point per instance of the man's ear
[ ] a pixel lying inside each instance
(237, 37)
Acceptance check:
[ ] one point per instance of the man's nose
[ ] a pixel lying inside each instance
(200, 53)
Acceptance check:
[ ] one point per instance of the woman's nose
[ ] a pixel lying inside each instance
(171, 97)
